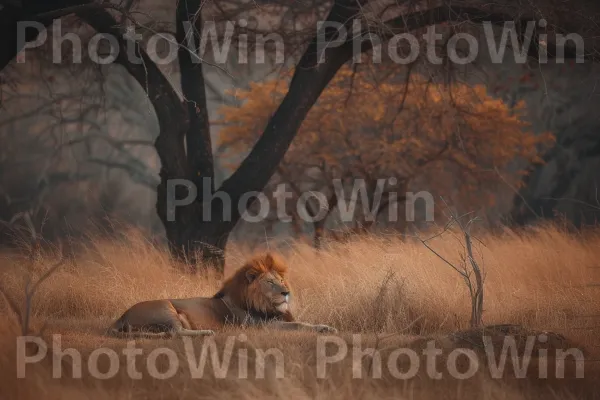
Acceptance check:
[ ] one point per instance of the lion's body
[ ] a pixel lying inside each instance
(156, 315)
(257, 294)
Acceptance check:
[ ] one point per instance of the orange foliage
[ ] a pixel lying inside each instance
(368, 129)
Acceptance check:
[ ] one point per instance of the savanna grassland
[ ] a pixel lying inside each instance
(395, 293)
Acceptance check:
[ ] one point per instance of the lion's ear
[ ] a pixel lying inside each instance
(251, 275)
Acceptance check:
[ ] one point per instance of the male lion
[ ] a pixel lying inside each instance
(256, 295)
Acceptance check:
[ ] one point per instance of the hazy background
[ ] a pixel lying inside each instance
(77, 140)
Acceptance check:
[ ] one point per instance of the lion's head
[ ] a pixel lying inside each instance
(261, 286)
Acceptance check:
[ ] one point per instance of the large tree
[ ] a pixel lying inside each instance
(184, 143)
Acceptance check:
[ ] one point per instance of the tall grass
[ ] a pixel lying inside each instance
(379, 285)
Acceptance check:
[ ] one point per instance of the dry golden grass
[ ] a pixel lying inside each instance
(392, 292)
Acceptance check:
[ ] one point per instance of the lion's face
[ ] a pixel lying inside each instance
(273, 288)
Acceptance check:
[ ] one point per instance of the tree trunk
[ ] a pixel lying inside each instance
(191, 238)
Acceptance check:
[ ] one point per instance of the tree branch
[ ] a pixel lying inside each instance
(42, 11)
(309, 80)
(172, 117)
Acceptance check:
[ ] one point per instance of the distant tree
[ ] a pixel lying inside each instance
(66, 137)
(372, 130)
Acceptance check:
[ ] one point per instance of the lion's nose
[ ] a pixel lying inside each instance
(285, 294)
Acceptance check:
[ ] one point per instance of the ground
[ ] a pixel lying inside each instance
(380, 292)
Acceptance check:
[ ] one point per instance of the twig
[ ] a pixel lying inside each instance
(470, 270)
(24, 316)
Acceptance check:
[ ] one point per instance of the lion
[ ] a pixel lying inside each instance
(257, 294)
